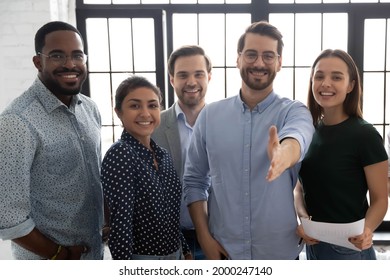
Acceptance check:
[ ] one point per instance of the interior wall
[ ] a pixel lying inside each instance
(19, 20)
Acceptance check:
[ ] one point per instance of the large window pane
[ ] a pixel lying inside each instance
(185, 31)
(100, 85)
(374, 44)
(121, 44)
(373, 97)
(335, 31)
(233, 81)
(144, 44)
(285, 23)
(212, 36)
(98, 56)
(284, 83)
(308, 38)
(216, 87)
(235, 26)
(302, 78)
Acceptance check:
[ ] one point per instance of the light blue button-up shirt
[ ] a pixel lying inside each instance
(50, 171)
(185, 131)
(249, 216)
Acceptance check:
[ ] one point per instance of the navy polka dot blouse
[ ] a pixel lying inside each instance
(144, 203)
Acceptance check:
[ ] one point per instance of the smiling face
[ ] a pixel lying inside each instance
(190, 80)
(331, 83)
(258, 75)
(62, 80)
(140, 114)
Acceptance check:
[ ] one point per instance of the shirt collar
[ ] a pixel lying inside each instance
(261, 106)
(140, 148)
(181, 117)
(179, 112)
(49, 101)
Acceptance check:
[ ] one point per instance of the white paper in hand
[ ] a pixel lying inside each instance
(337, 234)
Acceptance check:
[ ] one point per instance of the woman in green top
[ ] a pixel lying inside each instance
(346, 159)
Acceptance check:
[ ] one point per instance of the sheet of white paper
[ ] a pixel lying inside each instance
(337, 234)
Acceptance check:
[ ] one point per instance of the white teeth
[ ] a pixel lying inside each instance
(70, 76)
(327, 93)
(262, 73)
(144, 123)
(192, 91)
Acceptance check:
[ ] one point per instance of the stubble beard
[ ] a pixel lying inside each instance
(257, 85)
(191, 102)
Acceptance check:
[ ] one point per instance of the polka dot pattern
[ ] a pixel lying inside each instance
(144, 202)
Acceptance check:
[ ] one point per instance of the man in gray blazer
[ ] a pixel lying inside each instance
(189, 74)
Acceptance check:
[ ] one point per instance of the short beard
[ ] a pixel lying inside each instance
(190, 102)
(257, 85)
(57, 89)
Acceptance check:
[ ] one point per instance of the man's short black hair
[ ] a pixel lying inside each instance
(51, 27)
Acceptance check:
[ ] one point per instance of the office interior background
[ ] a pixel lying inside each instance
(126, 37)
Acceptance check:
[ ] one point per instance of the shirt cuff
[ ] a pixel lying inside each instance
(17, 231)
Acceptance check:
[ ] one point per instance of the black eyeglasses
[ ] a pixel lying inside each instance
(252, 56)
(61, 58)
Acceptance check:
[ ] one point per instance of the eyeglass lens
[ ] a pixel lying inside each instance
(267, 57)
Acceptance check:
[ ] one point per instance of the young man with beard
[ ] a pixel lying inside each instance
(189, 73)
(51, 197)
(251, 146)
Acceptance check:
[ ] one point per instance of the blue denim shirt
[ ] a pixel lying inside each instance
(50, 159)
(249, 216)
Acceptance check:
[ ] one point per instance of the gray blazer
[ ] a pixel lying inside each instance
(167, 136)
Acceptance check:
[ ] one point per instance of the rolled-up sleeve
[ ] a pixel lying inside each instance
(17, 149)
(196, 177)
(298, 124)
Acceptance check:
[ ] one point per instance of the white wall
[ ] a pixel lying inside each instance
(19, 20)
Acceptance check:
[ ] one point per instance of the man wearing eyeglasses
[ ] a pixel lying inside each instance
(51, 197)
(251, 146)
